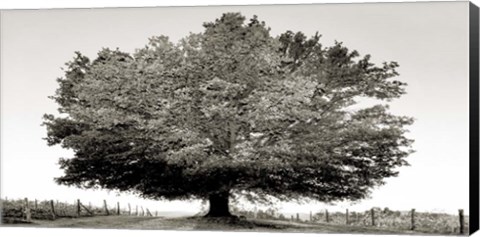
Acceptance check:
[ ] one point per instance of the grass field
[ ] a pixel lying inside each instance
(13, 213)
(197, 223)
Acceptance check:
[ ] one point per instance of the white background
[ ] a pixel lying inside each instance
(24, 4)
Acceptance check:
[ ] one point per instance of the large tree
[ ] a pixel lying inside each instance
(230, 110)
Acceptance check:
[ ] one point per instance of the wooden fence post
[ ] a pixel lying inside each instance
(136, 210)
(298, 217)
(156, 213)
(291, 217)
(36, 204)
(52, 206)
(118, 208)
(106, 207)
(86, 209)
(129, 210)
(346, 217)
(149, 213)
(326, 216)
(413, 219)
(143, 212)
(461, 219)
(28, 214)
(78, 207)
(311, 217)
(372, 211)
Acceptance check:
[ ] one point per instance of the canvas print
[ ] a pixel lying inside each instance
(318, 118)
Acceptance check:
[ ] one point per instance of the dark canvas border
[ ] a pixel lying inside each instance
(474, 118)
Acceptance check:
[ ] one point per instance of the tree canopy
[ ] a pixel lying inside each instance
(230, 110)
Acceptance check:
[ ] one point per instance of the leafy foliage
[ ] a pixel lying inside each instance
(231, 109)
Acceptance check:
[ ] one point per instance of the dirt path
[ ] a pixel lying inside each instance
(103, 222)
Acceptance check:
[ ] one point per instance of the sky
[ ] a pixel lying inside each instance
(428, 40)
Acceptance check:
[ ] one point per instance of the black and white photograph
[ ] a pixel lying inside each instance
(323, 118)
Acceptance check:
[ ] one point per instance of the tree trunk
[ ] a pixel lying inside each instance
(219, 205)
